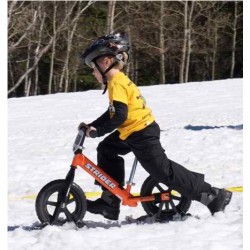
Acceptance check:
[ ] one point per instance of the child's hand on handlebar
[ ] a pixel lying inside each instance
(91, 132)
(83, 126)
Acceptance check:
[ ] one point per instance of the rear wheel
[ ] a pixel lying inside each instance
(176, 204)
(49, 199)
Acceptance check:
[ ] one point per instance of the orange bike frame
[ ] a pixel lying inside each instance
(113, 186)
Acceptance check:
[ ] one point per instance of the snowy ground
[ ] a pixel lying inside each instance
(202, 129)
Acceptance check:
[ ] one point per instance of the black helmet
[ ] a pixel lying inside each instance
(108, 45)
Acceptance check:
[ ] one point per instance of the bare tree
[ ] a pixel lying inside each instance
(53, 52)
(171, 41)
(71, 33)
(42, 16)
(234, 28)
(189, 41)
(10, 71)
(218, 22)
(27, 77)
(14, 9)
(215, 46)
(162, 44)
(184, 46)
(10, 10)
(13, 46)
(110, 16)
(45, 49)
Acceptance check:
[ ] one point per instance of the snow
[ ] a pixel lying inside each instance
(202, 130)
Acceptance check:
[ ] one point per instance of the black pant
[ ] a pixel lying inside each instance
(146, 146)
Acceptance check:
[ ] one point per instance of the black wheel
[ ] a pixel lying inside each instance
(177, 202)
(48, 201)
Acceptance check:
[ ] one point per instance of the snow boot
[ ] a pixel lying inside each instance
(216, 200)
(108, 206)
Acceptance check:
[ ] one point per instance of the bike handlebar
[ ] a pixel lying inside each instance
(83, 126)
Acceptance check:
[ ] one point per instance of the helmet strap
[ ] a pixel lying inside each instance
(104, 79)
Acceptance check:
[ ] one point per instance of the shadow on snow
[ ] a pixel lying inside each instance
(201, 127)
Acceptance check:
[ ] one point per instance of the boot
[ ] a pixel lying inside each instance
(216, 200)
(108, 206)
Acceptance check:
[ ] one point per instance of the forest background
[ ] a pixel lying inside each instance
(172, 42)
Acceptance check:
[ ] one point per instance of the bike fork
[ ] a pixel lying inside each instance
(63, 198)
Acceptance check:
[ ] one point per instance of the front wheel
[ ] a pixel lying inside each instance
(49, 199)
(176, 204)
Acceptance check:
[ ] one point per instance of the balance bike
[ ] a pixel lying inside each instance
(62, 201)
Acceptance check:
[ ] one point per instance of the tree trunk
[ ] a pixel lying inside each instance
(38, 48)
(26, 89)
(184, 47)
(128, 68)
(110, 17)
(60, 89)
(10, 70)
(69, 45)
(234, 39)
(214, 51)
(162, 45)
(75, 82)
(208, 54)
(189, 41)
(29, 86)
(53, 50)
(65, 71)
(55, 84)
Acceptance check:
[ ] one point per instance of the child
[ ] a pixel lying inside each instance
(137, 131)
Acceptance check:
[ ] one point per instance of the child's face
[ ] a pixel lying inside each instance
(103, 63)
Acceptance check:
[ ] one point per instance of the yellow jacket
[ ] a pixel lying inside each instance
(122, 89)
